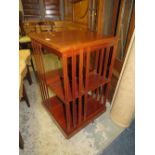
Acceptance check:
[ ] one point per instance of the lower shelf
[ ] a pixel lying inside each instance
(56, 110)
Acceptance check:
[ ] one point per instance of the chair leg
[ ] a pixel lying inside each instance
(28, 76)
(21, 142)
(32, 65)
(25, 96)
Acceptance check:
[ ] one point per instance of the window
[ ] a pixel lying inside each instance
(52, 9)
(31, 9)
(41, 9)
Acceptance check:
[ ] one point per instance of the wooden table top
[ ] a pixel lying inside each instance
(68, 40)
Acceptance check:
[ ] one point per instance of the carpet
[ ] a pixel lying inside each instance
(124, 144)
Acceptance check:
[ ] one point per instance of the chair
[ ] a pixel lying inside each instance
(23, 58)
(25, 43)
(29, 63)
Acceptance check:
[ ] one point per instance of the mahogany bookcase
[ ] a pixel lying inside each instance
(81, 86)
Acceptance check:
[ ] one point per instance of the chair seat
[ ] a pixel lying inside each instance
(22, 73)
(25, 55)
(25, 39)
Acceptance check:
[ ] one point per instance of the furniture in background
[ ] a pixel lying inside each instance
(81, 86)
(68, 25)
(21, 142)
(33, 26)
(29, 63)
(47, 25)
(23, 59)
(25, 40)
(25, 43)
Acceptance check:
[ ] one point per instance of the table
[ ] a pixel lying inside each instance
(81, 86)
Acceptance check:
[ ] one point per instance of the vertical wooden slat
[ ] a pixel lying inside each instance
(106, 62)
(96, 59)
(112, 61)
(100, 69)
(110, 72)
(87, 80)
(101, 61)
(104, 70)
(66, 88)
(80, 86)
(74, 82)
(96, 67)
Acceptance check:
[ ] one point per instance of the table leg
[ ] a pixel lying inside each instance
(28, 76)
(21, 142)
(25, 96)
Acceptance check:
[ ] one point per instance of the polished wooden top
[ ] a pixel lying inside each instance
(68, 40)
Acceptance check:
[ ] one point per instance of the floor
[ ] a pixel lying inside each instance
(42, 137)
(124, 144)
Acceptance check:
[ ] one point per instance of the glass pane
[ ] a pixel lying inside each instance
(124, 28)
(68, 11)
(108, 14)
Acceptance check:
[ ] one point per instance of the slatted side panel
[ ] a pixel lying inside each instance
(37, 53)
(103, 58)
(31, 9)
(102, 71)
(52, 9)
(81, 81)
